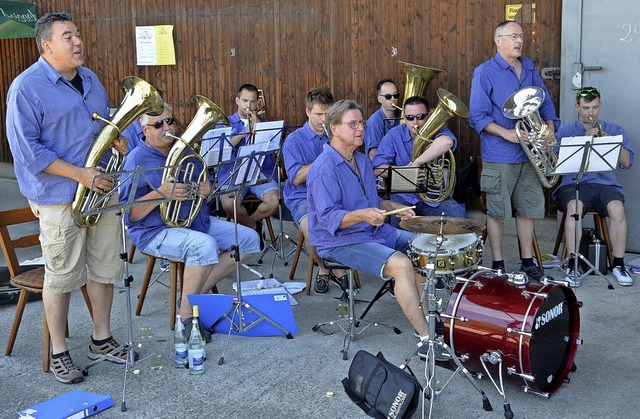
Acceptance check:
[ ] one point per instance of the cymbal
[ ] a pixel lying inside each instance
(450, 225)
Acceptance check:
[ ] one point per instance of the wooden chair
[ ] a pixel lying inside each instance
(602, 230)
(26, 280)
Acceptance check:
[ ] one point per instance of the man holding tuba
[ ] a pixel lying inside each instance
(598, 191)
(50, 131)
(396, 149)
(204, 246)
(508, 178)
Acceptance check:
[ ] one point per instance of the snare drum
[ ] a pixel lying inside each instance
(534, 327)
(458, 254)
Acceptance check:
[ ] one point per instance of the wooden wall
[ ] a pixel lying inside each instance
(287, 47)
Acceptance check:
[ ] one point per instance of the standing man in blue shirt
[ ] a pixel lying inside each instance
(243, 123)
(598, 191)
(508, 178)
(300, 150)
(50, 130)
(396, 149)
(346, 221)
(385, 118)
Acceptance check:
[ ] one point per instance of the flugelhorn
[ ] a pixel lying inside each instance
(140, 97)
(523, 105)
(184, 164)
(441, 172)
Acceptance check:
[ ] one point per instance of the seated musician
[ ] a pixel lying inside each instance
(395, 150)
(300, 150)
(243, 123)
(385, 118)
(346, 221)
(203, 247)
(598, 191)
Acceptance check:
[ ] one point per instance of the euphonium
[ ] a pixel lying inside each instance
(140, 97)
(523, 105)
(186, 148)
(416, 81)
(439, 188)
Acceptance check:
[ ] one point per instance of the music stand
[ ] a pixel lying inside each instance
(98, 206)
(577, 156)
(245, 173)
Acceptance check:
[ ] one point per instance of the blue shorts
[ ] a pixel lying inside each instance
(300, 211)
(370, 257)
(260, 190)
(594, 197)
(196, 248)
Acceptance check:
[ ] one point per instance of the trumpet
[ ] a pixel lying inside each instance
(596, 124)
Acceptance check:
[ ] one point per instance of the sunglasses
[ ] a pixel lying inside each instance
(419, 117)
(588, 91)
(390, 96)
(170, 121)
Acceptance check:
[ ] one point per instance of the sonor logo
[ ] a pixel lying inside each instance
(397, 404)
(549, 315)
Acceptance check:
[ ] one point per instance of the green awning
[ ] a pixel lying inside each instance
(17, 19)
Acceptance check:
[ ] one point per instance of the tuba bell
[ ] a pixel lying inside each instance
(181, 167)
(140, 97)
(523, 105)
(416, 81)
(441, 171)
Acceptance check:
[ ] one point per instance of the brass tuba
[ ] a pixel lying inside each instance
(207, 116)
(523, 105)
(140, 97)
(439, 188)
(416, 81)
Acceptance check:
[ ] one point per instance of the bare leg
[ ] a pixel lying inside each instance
(226, 264)
(194, 280)
(495, 230)
(406, 289)
(524, 227)
(101, 296)
(267, 207)
(57, 308)
(570, 226)
(243, 215)
(617, 228)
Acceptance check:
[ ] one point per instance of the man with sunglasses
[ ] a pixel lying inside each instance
(204, 247)
(508, 178)
(395, 150)
(50, 131)
(385, 118)
(598, 191)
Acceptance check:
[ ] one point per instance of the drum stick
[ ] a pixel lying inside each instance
(395, 211)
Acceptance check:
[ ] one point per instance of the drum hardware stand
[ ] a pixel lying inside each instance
(430, 391)
(234, 313)
(586, 149)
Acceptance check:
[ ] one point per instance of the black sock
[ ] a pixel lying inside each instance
(60, 355)
(618, 261)
(527, 262)
(101, 342)
(497, 264)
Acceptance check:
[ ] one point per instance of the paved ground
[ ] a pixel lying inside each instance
(272, 377)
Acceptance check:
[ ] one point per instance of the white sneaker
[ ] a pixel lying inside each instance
(571, 273)
(621, 275)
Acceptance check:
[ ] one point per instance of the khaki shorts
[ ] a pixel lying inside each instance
(73, 254)
(512, 185)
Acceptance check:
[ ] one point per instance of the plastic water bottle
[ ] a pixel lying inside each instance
(195, 352)
(180, 344)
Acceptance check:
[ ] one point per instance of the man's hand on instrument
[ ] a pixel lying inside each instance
(121, 145)
(373, 216)
(180, 192)
(512, 136)
(204, 189)
(101, 185)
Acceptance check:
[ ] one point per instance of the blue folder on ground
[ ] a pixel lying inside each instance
(274, 306)
(76, 404)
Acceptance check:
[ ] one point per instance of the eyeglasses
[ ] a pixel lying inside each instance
(170, 121)
(514, 36)
(390, 96)
(419, 117)
(588, 91)
(355, 124)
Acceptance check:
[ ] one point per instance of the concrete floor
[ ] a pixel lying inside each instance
(273, 377)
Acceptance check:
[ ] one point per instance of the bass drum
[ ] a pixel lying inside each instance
(534, 327)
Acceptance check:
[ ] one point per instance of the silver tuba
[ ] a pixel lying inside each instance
(181, 167)
(523, 105)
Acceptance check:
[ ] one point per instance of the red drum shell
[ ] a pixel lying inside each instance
(494, 305)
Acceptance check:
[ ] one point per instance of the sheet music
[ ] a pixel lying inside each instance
(602, 156)
(269, 132)
(404, 179)
(212, 141)
(249, 164)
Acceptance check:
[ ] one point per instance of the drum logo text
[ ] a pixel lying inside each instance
(397, 404)
(549, 315)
